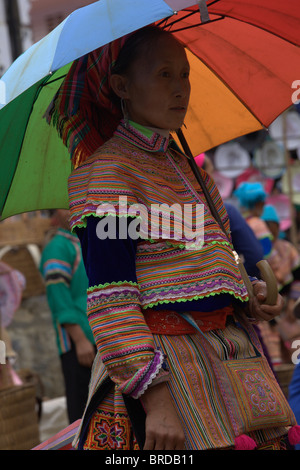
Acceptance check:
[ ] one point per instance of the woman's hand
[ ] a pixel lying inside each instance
(163, 427)
(258, 309)
(85, 350)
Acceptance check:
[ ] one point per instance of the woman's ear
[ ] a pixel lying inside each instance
(118, 84)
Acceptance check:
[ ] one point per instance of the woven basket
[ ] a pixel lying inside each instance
(20, 258)
(18, 418)
(284, 374)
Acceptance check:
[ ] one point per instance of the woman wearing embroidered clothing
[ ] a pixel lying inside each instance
(187, 385)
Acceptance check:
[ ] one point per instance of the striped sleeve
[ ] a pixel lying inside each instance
(123, 338)
(56, 271)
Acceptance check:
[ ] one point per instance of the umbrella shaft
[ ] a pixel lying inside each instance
(197, 174)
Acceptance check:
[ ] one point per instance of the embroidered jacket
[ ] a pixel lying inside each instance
(170, 269)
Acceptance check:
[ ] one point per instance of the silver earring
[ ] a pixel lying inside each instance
(124, 112)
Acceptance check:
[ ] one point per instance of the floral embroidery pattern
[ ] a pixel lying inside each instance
(110, 432)
(261, 396)
(260, 400)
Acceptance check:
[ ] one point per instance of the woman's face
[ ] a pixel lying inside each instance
(61, 218)
(157, 87)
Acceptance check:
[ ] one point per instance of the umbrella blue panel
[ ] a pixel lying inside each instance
(81, 32)
(30, 67)
(124, 17)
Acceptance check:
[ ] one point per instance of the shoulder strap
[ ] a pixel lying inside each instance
(266, 270)
(197, 174)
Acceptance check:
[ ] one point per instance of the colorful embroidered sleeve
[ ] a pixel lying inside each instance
(123, 338)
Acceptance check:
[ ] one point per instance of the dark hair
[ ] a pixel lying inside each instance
(137, 44)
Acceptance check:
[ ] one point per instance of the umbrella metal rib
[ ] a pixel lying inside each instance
(196, 25)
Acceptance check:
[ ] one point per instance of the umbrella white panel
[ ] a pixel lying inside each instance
(31, 66)
(81, 32)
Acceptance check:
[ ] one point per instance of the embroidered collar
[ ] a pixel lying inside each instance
(143, 137)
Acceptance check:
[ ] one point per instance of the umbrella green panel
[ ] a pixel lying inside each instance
(41, 174)
(13, 121)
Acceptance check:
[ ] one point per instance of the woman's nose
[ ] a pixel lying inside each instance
(182, 88)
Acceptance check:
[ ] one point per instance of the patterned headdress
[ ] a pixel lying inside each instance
(82, 110)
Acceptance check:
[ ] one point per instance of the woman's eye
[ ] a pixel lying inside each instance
(165, 74)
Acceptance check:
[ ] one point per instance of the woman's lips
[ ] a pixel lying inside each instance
(180, 109)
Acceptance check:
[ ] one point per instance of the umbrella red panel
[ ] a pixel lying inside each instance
(258, 65)
(271, 16)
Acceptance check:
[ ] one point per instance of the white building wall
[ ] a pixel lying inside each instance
(5, 40)
(47, 14)
(25, 23)
(37, 19)
(5, 50)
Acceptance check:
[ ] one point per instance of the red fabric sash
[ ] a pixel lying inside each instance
(169, 322)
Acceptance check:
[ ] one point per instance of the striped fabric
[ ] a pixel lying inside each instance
(82, 111)
(196, 391)
(56, 271)
(123, 338)
(63, 338)
(66, 282)
(62, 440)
(123, 168)
(147, 170)
(150, 169)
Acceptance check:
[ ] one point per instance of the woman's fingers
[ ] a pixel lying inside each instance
(260, 291)
(161, 436)
(163, 427)
(262, 311)
(149, 442)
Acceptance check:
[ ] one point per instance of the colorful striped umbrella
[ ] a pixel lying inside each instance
(244, 61)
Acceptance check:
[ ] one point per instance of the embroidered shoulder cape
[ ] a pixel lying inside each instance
(131, 170)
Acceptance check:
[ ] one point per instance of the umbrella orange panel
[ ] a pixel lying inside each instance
(214, 111)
